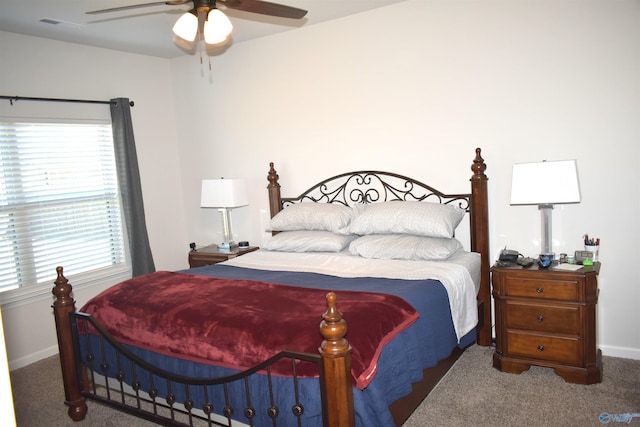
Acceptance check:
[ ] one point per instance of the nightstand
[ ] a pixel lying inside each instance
(547, 317)
(212, 255)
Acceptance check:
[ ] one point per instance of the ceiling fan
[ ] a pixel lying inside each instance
(206, 19)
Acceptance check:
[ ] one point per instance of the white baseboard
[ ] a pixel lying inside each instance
(623, 352)
(32, 358)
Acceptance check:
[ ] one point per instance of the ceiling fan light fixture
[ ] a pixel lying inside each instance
(217, 27)
(186, 27)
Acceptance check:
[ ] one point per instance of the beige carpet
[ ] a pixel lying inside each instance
(472, 394)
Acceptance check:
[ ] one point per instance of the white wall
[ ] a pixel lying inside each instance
(413, 88)
(43, 68)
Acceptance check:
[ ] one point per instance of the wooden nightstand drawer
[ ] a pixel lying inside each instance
(527, 287)
(544, 347)
(542, 317)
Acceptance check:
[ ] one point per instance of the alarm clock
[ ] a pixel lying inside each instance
(580, 256)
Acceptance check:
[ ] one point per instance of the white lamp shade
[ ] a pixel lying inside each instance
(223, 193)
(545, 183)
(217, 27)
(186, 27)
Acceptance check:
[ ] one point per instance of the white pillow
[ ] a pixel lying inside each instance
(404, 246)
(308, 241)
(399, 217)
(313, 216)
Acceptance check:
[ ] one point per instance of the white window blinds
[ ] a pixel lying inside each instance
(59, 201)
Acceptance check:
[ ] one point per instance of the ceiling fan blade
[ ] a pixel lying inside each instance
(136, 6)
(265, 8)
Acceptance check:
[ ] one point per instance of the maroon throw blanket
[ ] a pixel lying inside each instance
(239, 323)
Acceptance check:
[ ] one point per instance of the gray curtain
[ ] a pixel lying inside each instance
(130, 188)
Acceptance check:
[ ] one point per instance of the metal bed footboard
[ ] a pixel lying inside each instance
(112, 374)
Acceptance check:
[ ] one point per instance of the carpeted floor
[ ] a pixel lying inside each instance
(472, 393)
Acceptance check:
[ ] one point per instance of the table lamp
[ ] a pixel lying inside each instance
(545, 184)
(224, 194)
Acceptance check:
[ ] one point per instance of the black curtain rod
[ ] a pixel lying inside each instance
(12, 99)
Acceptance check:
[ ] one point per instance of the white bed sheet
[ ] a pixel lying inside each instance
(460, 274)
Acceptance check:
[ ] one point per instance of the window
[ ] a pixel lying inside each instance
(59, 202)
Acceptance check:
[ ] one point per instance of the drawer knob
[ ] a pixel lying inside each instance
(540, 348)
(539, 289)
(540, 318)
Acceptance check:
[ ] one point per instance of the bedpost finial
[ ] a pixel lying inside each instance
(272, 177)
(478, 166)
(62, 288)
(333, 328)
(60, 279)
(332, 314)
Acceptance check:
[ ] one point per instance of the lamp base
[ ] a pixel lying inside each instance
(227, 246)
(227, 237)
(545, 261)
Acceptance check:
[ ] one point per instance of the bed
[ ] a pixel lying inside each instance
(324, 326)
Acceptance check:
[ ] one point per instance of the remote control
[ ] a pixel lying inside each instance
(526, 262)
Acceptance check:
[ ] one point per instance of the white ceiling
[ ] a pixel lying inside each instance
(147, 30)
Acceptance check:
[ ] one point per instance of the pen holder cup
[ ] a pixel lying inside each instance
(594, 249)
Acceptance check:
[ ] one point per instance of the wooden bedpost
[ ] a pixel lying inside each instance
(480, 243)
(274, 191)
(337, 393)
(62, 307)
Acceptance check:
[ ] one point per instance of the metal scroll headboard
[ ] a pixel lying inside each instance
(352, 188)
